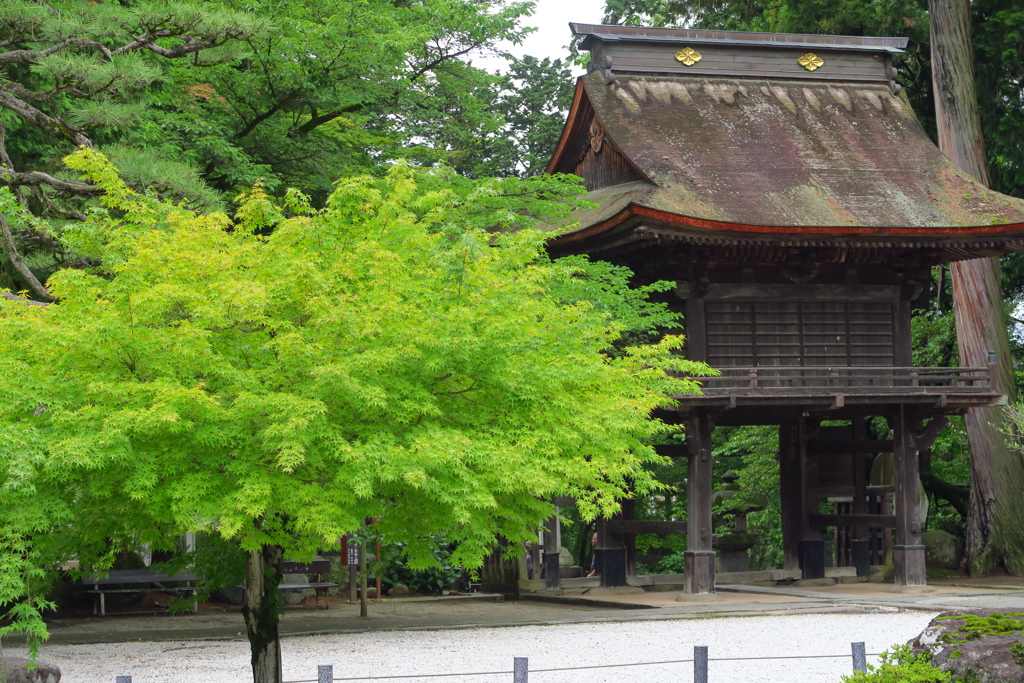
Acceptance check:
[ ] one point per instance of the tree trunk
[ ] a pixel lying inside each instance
(995, 523)
(262, 612)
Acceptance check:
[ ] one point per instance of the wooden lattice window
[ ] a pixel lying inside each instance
(809, 333)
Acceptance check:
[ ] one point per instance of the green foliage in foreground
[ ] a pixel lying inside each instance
(900, 666)
(279, 378)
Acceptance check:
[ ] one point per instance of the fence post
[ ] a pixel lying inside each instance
(700, 664)
(325, 673)
(122, 679)
(860, 658)
(520, 669)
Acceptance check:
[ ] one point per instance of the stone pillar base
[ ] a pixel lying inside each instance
(700, 572)
(908, 565)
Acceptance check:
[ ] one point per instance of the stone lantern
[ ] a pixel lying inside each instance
(735, 541)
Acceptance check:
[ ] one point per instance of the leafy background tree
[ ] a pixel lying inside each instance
(198, 101)
(532, 100)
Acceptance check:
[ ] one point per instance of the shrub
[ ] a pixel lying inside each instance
(431, 580)
(900, 666)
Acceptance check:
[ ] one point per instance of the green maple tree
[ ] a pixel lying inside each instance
(278, 378)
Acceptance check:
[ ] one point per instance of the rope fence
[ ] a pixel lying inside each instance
(520, 667)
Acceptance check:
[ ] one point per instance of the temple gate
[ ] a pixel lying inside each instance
(798, 204)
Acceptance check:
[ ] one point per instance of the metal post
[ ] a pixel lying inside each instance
(520, 669)
(123, 679)
(700, 664)
(860, 658)
(325, 673)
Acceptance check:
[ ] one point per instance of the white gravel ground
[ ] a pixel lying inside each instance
(492, 649)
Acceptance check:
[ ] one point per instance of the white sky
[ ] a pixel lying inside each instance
(551, 39)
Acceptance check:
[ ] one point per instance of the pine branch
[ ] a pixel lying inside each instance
(33, 56)
(52, 125)
(53, 209)
(35, 178)
(19, 265)
(147, 41)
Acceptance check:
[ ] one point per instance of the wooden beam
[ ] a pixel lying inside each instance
(672, 450)
(845, 447)
(645, 526)
(722, 291)
(862, 521)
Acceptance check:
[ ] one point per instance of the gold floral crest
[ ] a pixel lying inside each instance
(810, 61)
(688, 56)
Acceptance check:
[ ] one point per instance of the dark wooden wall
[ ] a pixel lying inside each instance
(808, 333)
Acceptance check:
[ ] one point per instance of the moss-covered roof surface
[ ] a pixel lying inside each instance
(828, 158)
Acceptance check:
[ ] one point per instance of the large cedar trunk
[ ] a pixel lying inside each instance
(995, 523)
(262, 612)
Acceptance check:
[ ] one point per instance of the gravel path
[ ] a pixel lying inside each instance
(492, 649)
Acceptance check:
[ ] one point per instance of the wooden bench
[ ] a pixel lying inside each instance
(140, 580)
(145, 580)
(317, 567)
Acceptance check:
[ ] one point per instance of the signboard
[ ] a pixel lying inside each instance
(352, 556)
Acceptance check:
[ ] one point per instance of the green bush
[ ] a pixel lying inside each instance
(433, 580)
(668, 564)
(900, 666)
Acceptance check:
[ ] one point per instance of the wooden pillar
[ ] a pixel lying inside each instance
(551, 570)
(699, 556)
(812, 547)
(908, 552)
(791, 494)
(860, 544)
(628, 540)
(611, 557)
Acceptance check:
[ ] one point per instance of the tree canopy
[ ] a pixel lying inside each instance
(199, 100)
(278, 378)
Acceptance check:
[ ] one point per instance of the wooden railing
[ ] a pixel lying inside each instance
(848, 380)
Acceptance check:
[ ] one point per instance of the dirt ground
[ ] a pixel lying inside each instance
(147, 617)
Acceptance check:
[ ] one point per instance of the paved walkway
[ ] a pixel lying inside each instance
(220, 622)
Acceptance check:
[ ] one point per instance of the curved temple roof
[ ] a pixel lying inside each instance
(765, 150)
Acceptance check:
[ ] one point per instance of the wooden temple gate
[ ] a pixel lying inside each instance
(799, 207)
